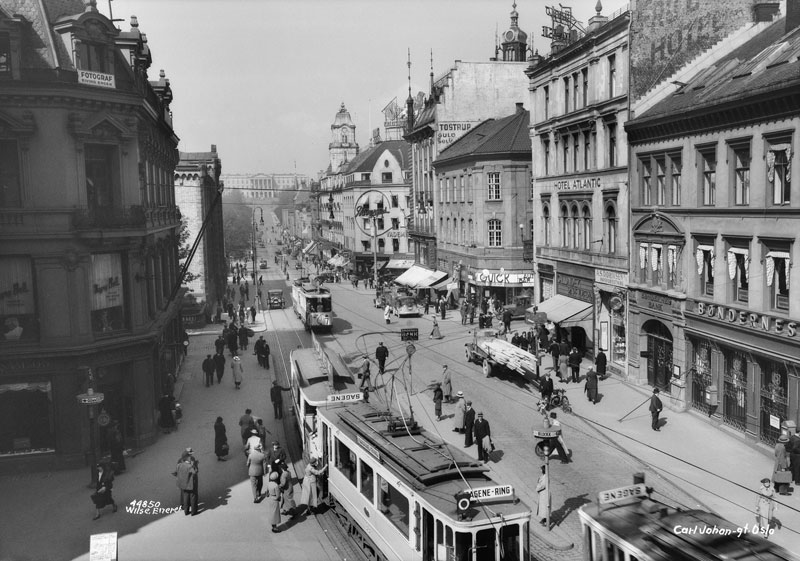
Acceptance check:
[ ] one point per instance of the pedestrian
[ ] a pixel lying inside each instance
(765, 506)
(543, 499)
(447, 385)
(655, 409)
(507, 316)
(387, 313)
(600, 362)
(458, 418)
(257, 350)
(287, 493)
(794, 456)
(546, 389)
(221, 448)
(219, 344)
(185, 340)
(243, 336)
(253, 441)
(276, 396)
(464, 312)
(309, 496)
(237, 370)
(574, 361)
(427, 304)
(102, 496)
(365, 375)
(116, 444)
(591, 386)
(274, 502)
(256, 468)
(435, 333)
(469, 424)
(554, 350)
(781, 476)
(483, 437)
(558, 443)
(166, 419)
(437, 401)
(381, 353)
(208, 369)
(563, 358)
(246, 423)
(472, 313)
(186, 473)
(233, 339)
(276, 458)
(219, 365)
(443, 306)
(262, 432)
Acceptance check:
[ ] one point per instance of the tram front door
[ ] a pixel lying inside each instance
(428, 536)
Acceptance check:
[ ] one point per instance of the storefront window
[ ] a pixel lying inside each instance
(774, 400)
(26, 418)
(17, 302)
(108, 304)
(619, 343)
(701, 375)
(734, 411)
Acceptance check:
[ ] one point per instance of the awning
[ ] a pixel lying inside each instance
(563, 309)
(310, 247)
(399, 263)
(413, 276)
(381, 265)
(438, 281)
(337, 260)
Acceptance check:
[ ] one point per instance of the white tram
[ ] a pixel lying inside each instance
(394, 487)
(312, 304)
(319, 379)
(634, 527)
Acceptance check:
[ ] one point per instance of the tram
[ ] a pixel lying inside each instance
(312, 304)
(627, 525)
(404, 494)
(319, 378)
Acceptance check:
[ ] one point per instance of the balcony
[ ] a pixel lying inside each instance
(124, 218)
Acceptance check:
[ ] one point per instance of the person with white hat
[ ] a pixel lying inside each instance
(186, 473)
(238, 370)
(461, 408)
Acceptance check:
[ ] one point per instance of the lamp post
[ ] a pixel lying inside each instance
(261, 210)
(90, 399)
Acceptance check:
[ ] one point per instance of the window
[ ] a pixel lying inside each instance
(564, 220)
(447, 190)
(395, 245)
(576, 150)
(661, 182)
(471, 231)
(779, 172)
(612, 76)
(28, 418)
(18, 304)
(463, 188)
(395, 201)
(107, 293)
(566, 95)
(493, 186)
(739, 273)
(576, 91)
(365, 245)
(675, 180)
(546, 225)
(612, 144)
(495, 233)
(367, 481)
(102, 175)
(11, 191)
(708, 159)
(672, 266)
(647, 187)
(381, 245)
(611, 229)
(586, 218)
(657, 263)
(546, 151)
(705, 268)
(395, 223)
(587, 150)
(546, 90)
(574, 227)
(380, 224)
(92, 57)
(394, 505)
(5, 55)
(585, 81)
(346, 461)
(643, 261)
(777, 276)
(565, 153)
(741, 174)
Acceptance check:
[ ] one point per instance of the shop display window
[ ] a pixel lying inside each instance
(618, 344)
(26, 418)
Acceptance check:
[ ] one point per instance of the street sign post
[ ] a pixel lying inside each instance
(410, 334)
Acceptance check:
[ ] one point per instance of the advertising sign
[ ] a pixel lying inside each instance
(92, 78)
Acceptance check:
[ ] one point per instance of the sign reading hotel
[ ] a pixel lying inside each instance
(578, 184)
(489, 493)
(448, 132)
(100, 79)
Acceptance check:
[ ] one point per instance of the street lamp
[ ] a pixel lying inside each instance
(261, 210)
(90, 399)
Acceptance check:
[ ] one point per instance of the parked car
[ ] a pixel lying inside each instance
(275, 299)
(519, 306)
(263, 264)
(325, 276)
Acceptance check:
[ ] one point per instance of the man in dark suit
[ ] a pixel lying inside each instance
(600, 362)
(469, 422)
(546, 388)
(208, 370)
(381, 353)
(655, 409)
(793, 448)
(481, 431)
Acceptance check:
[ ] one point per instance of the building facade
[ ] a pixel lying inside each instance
(88, 233)
(483, 183)
(715, 222)
(580, 195)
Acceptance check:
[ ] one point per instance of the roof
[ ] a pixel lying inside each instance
(494, 137)
(315, 383)
(767, 63)
(367, 159)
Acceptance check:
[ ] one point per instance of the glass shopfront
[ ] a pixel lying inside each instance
(26, 418)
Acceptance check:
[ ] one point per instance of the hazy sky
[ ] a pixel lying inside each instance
(263, 79)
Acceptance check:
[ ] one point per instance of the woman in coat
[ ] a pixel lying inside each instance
(447, 385)
(543, 506)
(237, 370)
(220, 440)
(287, 493)
(274, 502)
(765, 505)
(437, 401)
(591, 386)
(458, 418)
(781, 464)
(435, 333)
(102, 496)
(309, 495)
(387, 313)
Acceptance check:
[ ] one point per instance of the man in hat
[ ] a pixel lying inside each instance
(655, 409)
(275, 394)
(256, 468)
(276, 458)
(483, 437)
(546, 389)
(381, 353)
(794, 455)
(246, 422)
(186, 474)
(469, 423)
(458, 418)
(253, 441)
(781, 476)
(219, 365)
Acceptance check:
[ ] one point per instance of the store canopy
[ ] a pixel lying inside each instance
(413, 276)
(310, 247)
(337, 260)
(563, 309)
(399, 263)
(438, 281)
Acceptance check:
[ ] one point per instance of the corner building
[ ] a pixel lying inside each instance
(715, 222)
(88, 225)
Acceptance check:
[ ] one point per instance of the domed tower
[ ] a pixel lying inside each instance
(343, 146)
(515, 41)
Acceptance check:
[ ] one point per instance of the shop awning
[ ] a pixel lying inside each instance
(437, 281)
(337, 260)
(564, 310)
(309, 247)
(381, 265)
(399, 263)
(414, 276)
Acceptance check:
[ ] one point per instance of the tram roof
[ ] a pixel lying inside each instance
(433, 468)
(315, 383)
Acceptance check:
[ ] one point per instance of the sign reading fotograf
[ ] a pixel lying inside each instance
(92, 78)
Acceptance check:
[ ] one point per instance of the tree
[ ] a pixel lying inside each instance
(236, 220)
(183, 249)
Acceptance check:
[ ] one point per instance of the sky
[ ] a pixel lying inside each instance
(264, 79)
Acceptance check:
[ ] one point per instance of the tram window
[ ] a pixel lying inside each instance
(613, 553)
(509, 543)
(346, 461)
(394, 505)
(464, 546)
(439, 532)
(323, 305)
(367, 481)
(485, 545)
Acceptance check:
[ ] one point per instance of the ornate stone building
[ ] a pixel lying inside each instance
(88, 221)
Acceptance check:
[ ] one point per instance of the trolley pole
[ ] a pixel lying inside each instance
(410, 350)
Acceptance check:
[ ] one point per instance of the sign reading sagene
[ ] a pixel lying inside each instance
(340, 397)
(92, 78)
(487, 493)
(614, 495)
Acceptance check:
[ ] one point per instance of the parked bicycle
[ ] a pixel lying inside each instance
(560, 399)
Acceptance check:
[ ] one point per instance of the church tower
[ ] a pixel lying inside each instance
(515, 41)
(343, 146)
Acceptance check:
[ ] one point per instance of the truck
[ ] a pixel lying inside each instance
(489, 349)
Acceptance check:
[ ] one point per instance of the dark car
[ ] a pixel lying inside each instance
(275, 299)
(263, 264)
(325, 276)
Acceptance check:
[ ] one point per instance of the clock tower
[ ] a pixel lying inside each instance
(515, 41)
(343, 146)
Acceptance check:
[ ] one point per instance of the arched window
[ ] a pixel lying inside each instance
(470, 233)
(575, 230)
(564, 219)
(587, 227)
(546, 225)
(495, 233)
(463, 236)
(447, 231)
(611, 229)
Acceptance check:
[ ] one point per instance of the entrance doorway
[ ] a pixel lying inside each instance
(659, 355)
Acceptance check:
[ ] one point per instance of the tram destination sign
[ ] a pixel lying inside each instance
(489, 493)
(345, 397)
(614, 495)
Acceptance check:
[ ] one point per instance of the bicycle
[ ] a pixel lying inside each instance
(560, 398)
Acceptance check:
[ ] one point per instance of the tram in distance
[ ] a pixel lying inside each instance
(319, 378)
(404, 494)
(638, 528)
(312, 304)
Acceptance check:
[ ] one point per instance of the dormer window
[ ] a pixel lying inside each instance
(92, 57)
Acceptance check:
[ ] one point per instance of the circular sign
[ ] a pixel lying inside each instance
(103, 419)
(363, 210)
(410, 349)
(463, 503)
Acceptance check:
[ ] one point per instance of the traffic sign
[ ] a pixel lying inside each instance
(90, 398)
(488, 493)
(549, 433)
(410, 334)
(614, 495)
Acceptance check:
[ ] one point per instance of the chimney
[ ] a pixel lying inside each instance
(520, 108)
(766, 10)
(213, 148)
(792, 15)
